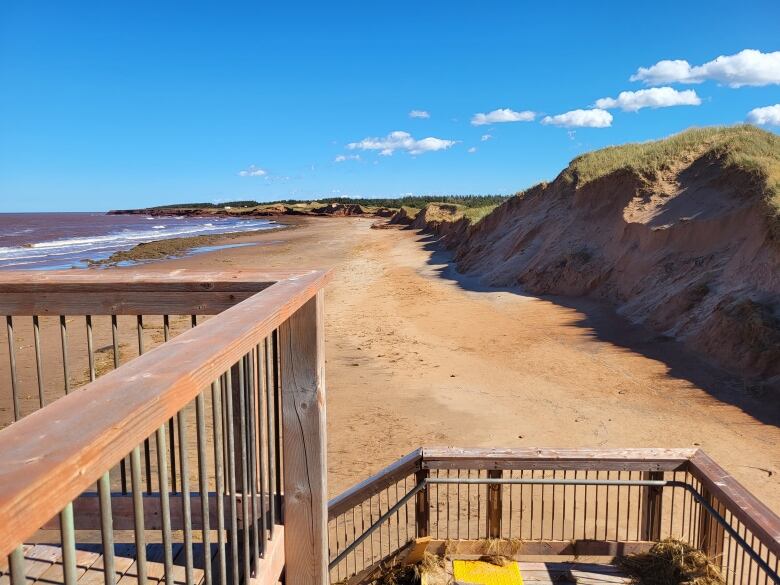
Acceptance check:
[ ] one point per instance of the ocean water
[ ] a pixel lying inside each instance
(47, 241)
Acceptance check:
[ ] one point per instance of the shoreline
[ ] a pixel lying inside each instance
(173, 248)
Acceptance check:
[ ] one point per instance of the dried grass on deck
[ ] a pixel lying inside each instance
(672, 562)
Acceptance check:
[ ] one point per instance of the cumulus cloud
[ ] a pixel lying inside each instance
(766, 116)
(344, 157)
(252, 171)
(595, 118)
(486, 137)
(400, 140)
(472, 150)
(748, 67)
(419, 114)
(655, 97)
(502, 115)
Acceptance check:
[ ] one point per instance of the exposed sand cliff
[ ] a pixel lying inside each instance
(681, 235)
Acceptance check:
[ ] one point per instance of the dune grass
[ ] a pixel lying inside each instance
(744, 147)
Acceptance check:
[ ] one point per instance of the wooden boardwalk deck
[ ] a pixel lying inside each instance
(565, 573)
(43, 564)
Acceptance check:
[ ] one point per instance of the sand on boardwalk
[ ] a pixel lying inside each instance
(416, 355)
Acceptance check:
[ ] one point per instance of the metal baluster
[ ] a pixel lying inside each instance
(147, 446)
(216, 408)
(64, 342)
(138, 514)
(252, 453)
(203, 479)
(260, 448)
(38, 360)
(171, 425)
(271, 412)
(278, 407)
(242, 438)
(90, 349)
(68, 543)
(231, 467)
(115, 343)
(106, 528)
(16, 565)
(12, 358)
(186, 504)
(165, 507)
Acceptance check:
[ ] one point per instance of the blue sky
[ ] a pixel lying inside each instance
(127, 104)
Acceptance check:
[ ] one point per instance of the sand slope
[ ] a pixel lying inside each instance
(687, 251)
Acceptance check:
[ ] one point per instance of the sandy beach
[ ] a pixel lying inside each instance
(418, 355)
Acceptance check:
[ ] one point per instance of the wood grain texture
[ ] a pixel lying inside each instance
(57, 452)
(120, 302)
(360, 492)
(143, 280)
(270, 567)
(601, 459)
(744, 506)
(305, 445)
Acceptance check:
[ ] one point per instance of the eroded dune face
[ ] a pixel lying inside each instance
(688, 251)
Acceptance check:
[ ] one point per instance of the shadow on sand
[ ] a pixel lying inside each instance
(603, 323)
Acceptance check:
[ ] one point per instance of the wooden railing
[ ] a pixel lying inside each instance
(572, 502)
(241, 396)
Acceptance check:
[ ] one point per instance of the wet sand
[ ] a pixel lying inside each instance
(417, 355)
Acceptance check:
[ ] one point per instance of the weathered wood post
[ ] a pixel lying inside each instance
(422, 507)
(304, 445)
(494, 506)
(651, 500)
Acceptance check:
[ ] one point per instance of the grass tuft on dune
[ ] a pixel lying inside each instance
(743, 147)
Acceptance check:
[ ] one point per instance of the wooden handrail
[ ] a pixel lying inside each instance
(743, 505)
(598, 459)
(51, 456)
(371, 486)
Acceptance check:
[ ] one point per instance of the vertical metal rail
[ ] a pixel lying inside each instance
(171, 425)
(186, 508)
(165, 507)
(16, 565)
(90, 350)
(138, 514)
(252, 456)
(271, 426)
(68, 543)
(64, 342)
(9, 321)
(38, 360)
(219, 481)
(115, 346)
(231, 465)
(203, 480)
(106, 528)
(147, 446)
(261, 451)
(278, 404)
(242, 439)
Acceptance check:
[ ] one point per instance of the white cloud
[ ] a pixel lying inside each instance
(400, 140)
(655, 97)
(748, 67)
(419, 114)
(343, 157)
(595, 118)
(252, 171)
(486, 137)
(766, 116)
(472, 150)
(502, 115)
